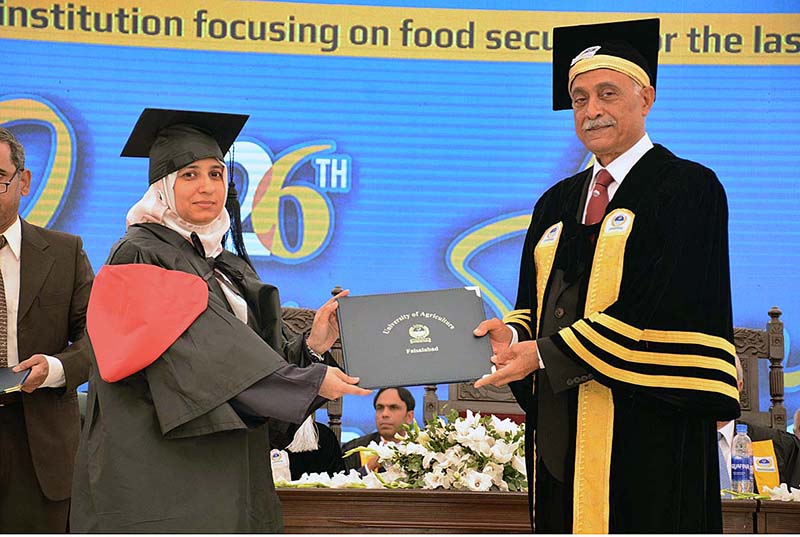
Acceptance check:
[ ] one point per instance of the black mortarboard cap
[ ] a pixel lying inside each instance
(173, 139)
(630, 47)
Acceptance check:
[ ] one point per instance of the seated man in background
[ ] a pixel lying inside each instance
(797, 423)
(786, 446)
(393, 408)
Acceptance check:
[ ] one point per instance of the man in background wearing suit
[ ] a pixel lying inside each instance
(44, 290)
(786, 446)
(393, 408)
(797, 423)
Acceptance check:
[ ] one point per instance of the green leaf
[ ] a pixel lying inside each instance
(360, 449)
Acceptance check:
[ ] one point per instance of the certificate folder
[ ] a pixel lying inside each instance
(411, 339)
(10, 381)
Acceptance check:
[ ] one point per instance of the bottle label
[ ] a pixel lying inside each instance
(742, 473)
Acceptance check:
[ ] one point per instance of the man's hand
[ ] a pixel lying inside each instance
(499, 334)
(325, 328)
(39, 367)
(514, 363)
(372, 464)
(337, 383)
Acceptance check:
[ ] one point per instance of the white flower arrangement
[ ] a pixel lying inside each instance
(478, 453)
(783, 493)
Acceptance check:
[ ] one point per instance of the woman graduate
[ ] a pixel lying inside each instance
(191, 365)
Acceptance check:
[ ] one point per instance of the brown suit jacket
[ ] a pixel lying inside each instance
(55, 281)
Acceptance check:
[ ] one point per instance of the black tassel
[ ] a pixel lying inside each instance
(198, 245)
(234, 210)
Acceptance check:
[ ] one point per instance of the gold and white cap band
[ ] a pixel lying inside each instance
(587, 60)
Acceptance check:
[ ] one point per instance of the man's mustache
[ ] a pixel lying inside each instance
(590, 124)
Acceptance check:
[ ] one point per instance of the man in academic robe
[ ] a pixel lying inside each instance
(620, 344)
(785, 445)
(45, 280)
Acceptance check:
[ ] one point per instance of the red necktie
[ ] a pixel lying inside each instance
(599, 200)
(3, 316)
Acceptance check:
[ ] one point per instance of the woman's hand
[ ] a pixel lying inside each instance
(338, 383)
(325, 328)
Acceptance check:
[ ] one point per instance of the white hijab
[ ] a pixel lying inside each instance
(157, 206)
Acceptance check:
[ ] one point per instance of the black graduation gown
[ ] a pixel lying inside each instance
(658, 349)
(787, 451)
(176, 447)
(326, 458)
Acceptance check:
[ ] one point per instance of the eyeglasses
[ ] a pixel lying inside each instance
(5, 180)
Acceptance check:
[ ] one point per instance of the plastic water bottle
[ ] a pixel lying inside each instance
(742, 461)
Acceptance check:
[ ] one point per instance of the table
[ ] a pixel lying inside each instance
(403, 511)
(778, 517)
(441, 511)
(738, 516)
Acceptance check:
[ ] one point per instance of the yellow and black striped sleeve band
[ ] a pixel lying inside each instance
(520, 318)
(653, 358)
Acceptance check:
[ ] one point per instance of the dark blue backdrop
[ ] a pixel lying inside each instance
(428, 150)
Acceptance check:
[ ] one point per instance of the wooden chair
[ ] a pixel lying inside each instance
(464, 396)
(751, 345)
(298, 321)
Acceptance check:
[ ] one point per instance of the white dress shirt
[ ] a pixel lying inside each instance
(618, 169)
(236, 301)
(726, 442)
(10, 266)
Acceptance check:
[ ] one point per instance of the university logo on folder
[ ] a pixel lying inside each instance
(411, 339)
